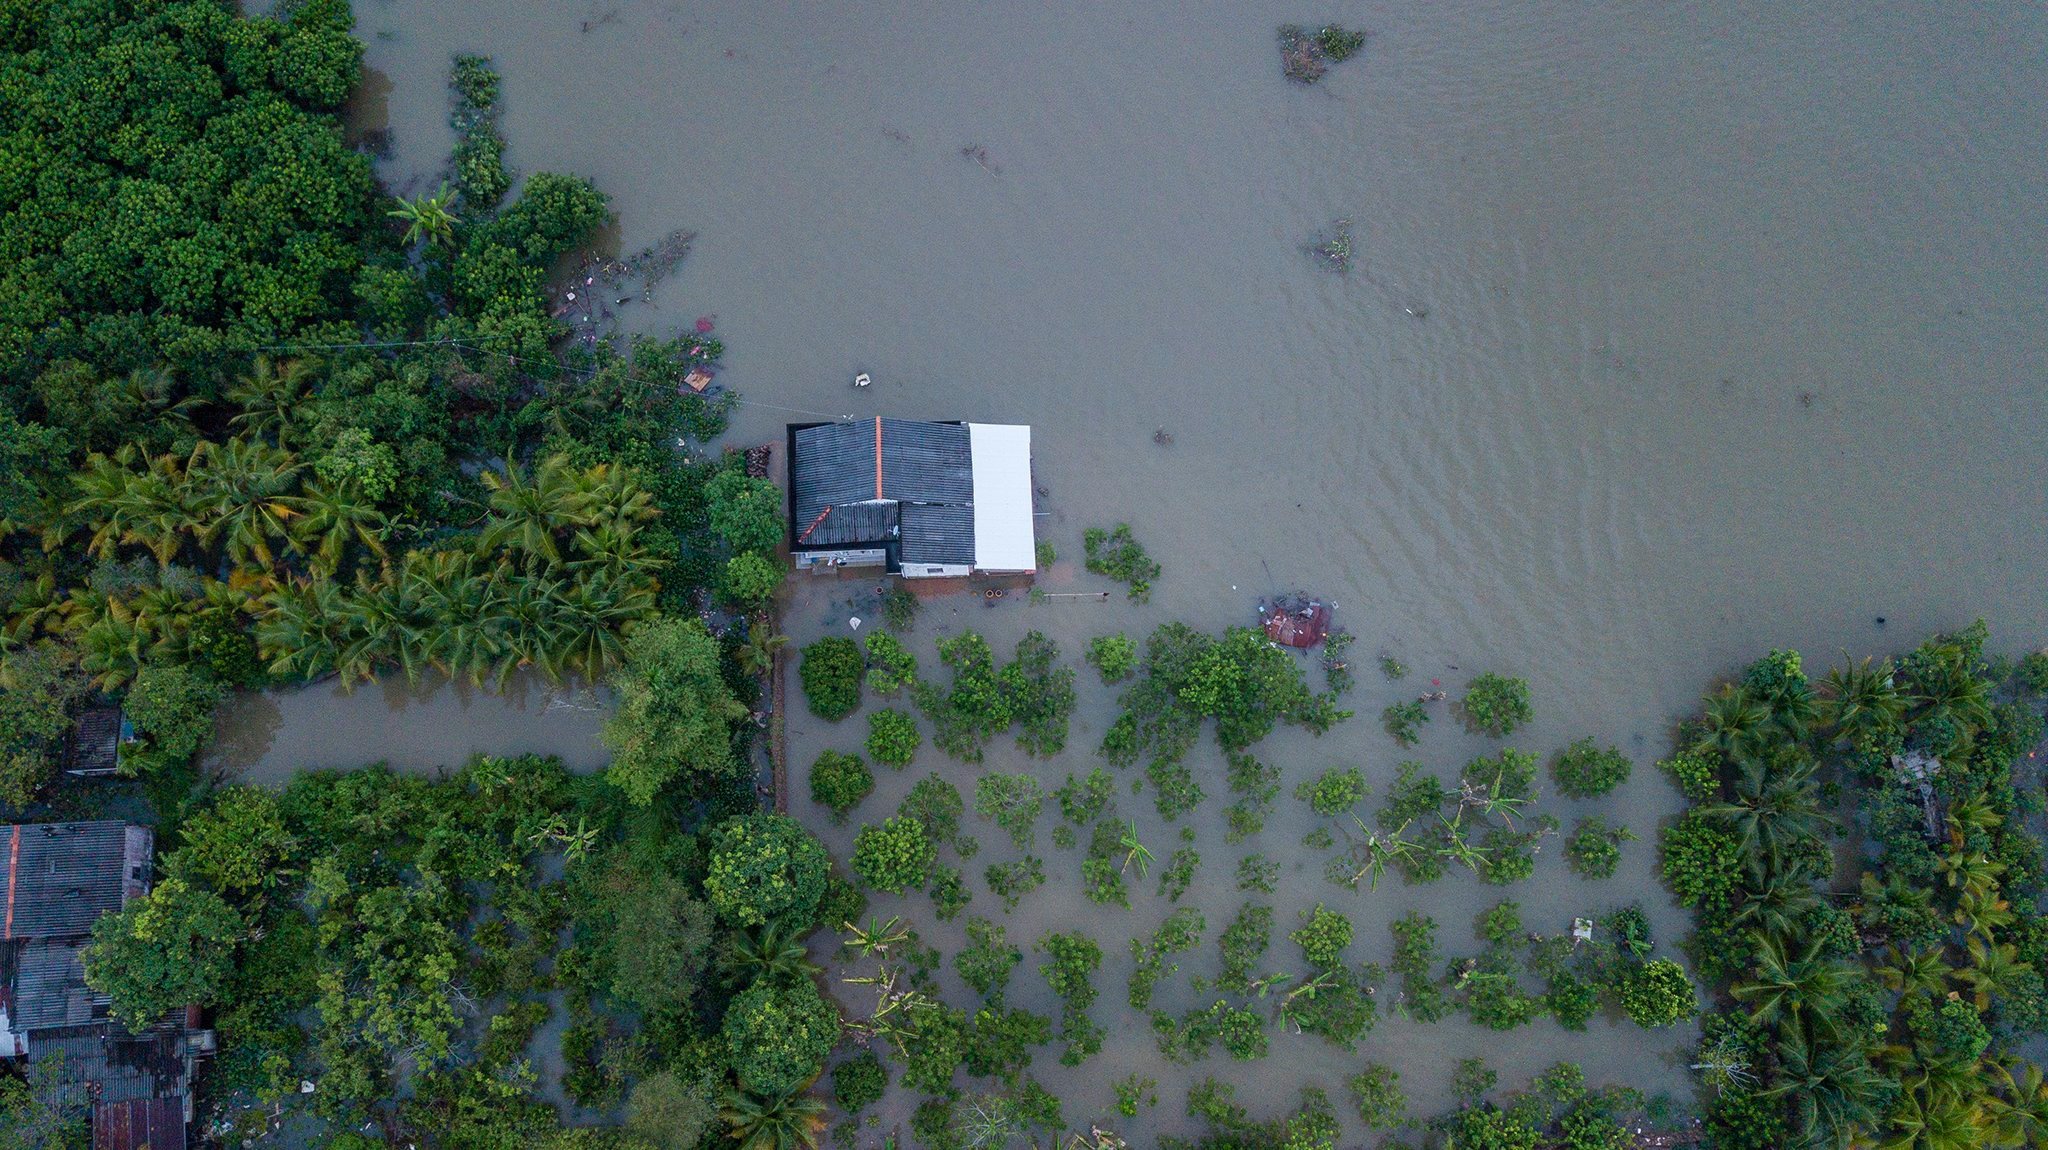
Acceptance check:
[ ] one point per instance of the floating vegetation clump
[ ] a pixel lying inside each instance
(1306, 55)
(1332, 248)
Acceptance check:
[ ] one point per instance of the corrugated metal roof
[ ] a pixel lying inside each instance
(934, 534)
(119, 1066)
(50, 990)
(850, 523)
(139, 1124)
(839, 465)
(95, 745)
(56, 879)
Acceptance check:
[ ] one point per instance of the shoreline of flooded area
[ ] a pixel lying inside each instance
(434, 727)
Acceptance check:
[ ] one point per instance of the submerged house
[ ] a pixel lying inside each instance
(56, 880)
(924, 500)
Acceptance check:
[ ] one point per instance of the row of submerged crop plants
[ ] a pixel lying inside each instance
(1866, 890)
(970, 1064)
(261, 423)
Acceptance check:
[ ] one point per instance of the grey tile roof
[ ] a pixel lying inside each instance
(56, 879)
(851, 523)
(933, 534)
(833, 466)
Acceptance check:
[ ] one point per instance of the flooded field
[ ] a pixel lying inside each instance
(1673, 334)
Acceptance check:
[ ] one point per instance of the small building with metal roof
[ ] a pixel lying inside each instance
(922, 499)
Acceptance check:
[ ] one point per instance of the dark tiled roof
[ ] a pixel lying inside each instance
(834, 465)
(139, 1124)
(938, 535)
(56, 879)
(95, 745)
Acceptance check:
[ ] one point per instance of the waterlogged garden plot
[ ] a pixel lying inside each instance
(1086, 895)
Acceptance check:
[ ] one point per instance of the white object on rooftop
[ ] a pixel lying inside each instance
(1004, 536)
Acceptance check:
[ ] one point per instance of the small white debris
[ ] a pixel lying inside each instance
(854, 622)
(305, 1086)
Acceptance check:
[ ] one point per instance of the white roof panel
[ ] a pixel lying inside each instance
(1005, 537)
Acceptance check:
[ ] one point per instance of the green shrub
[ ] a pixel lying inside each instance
(172, 711)
(778, 1035)
(1496, 704)
(1013, 802)
(1118, 555)
(1323, 937)
(746, 513)
(1697, 772)
(749, 581)
(1584, 770)
(1404, 721)
(1377, 1090)
(936, 804)
(1571, 1001)
(1333, 792)
(1011, 881)
(899, 609)
(1594, 848)
(985, 963)
(891, 666)
(893, 737)
(859, 1082)
(1658, 994)
(1339, 44)
(1702, 862)
(949, 892)
(840, 782)
(831, 674)
(1257, 872)
(895, 856)
(764, 868)
(2033, 672)
(1115, 656)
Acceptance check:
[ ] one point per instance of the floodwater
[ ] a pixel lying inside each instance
(1676, 332)
(435, 727)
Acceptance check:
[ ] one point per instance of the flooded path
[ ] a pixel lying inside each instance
(266, 738)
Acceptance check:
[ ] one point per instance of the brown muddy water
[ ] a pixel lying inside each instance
(1675, 333)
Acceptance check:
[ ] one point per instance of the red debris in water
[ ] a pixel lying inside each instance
(705, 323)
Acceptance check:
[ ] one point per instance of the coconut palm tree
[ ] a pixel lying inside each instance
(773, 952)
(784, 1122)
(1972, 872)
(112, 648)
(1993, 969)
(1734, 722)
(300, 627)
(1947, 688)
(1862, 703)
(271, 397)
(334, 517)
(1922, 971)
(1780, 906)
(246, 497)
(427, 218)
(1973, 816)
(756, 656)
(532, 627)
(461, 598)
(1794, 986)
(1981, 914)
(1925, 1120)
(1833, 1091)
(2021, 1117)
(528, 511)
(1773, 807)
(595, 610)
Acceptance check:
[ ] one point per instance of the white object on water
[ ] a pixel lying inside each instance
(854, 622)
(862, 380)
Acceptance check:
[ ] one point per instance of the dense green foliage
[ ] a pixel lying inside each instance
(839, 782)
(674, 712)
(894, 856)
(893, 737)
(1586, 770)
(764, 868)
(1496, 704)
(831, 672)
(1891, 1016)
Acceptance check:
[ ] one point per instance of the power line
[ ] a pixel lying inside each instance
(585, 372)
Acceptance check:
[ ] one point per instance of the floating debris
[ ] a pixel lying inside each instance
(1305, 55)
(1332, 248)
(587, 298)
(1295, 621)
(1163, 437)
(979, 155)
